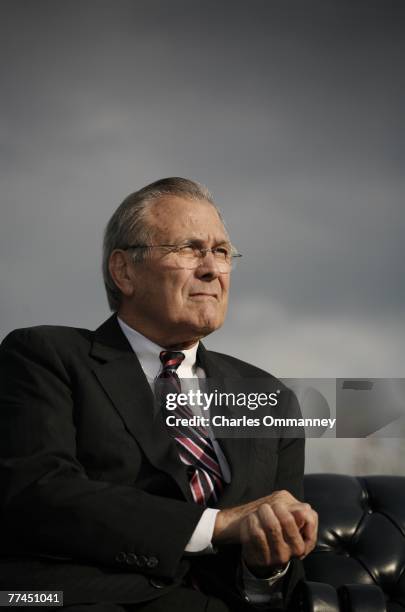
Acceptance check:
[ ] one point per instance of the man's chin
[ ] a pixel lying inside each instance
(207, 326)
(202, 326)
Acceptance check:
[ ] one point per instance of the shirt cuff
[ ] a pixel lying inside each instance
(202, 534)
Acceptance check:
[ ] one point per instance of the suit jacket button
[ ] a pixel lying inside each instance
(152, 562)
(158, 584)
(121, 557)
(142, 560)
(132, 559)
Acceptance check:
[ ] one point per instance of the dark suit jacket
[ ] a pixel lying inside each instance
(94, 498)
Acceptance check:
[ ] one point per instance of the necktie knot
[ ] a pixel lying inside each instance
(171, 359)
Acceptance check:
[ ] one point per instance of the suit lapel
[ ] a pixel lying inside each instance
(236, 450)
(119, 372)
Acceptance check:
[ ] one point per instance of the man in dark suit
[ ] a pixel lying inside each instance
(99, 498)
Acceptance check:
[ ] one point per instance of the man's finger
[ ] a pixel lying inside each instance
(280, 550)
(290, 530)
(308, 519)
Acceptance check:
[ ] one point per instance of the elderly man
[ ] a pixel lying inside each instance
(99, 499)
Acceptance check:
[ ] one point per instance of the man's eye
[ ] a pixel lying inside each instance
(187, 251)
(221, 253)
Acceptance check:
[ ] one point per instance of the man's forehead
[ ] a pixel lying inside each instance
(179, 215)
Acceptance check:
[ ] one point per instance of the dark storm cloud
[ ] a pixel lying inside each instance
(291, 113)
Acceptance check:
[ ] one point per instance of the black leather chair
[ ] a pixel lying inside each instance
(359, 562)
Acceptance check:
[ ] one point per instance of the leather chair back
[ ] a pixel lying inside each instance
(361, 533)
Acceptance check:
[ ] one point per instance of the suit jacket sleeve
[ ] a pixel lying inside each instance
(50, 505)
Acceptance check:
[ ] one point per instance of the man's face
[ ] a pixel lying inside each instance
(174, 305)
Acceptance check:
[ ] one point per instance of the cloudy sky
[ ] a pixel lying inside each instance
(291, 112)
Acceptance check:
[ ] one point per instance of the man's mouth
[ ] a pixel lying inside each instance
(204, 295)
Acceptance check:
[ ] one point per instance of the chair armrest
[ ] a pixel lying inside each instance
(321, 597)
(362, 598)
(314, 597)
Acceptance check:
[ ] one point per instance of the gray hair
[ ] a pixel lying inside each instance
(129, 224)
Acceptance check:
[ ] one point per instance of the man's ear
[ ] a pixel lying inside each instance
(122, 271)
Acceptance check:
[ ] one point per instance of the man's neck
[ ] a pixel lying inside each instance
(169, 343)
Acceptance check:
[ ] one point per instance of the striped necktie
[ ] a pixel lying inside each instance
(193, 444)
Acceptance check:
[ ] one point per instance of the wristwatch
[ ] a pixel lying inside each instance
(277, 573)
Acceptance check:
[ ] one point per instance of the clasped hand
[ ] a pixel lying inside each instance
(271, 531)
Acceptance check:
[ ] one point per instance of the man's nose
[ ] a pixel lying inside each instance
(207, 265)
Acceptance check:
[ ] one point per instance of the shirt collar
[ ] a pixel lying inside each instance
(148, 353)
